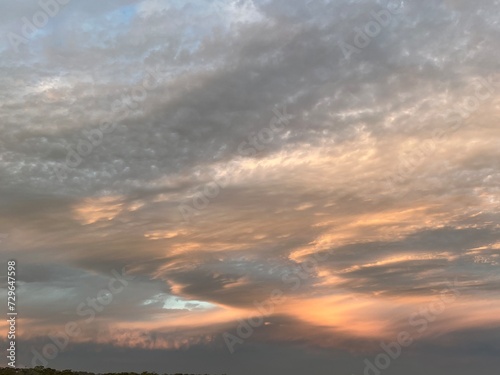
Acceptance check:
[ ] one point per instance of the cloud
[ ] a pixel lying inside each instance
(386, 170)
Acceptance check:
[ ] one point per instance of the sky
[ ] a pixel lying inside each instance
(252, 186)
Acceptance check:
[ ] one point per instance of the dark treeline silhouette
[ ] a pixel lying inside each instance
(40, 370)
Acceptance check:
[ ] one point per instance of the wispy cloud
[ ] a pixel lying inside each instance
(386, 161)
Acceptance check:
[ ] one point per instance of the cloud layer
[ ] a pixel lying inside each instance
(222, 151)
